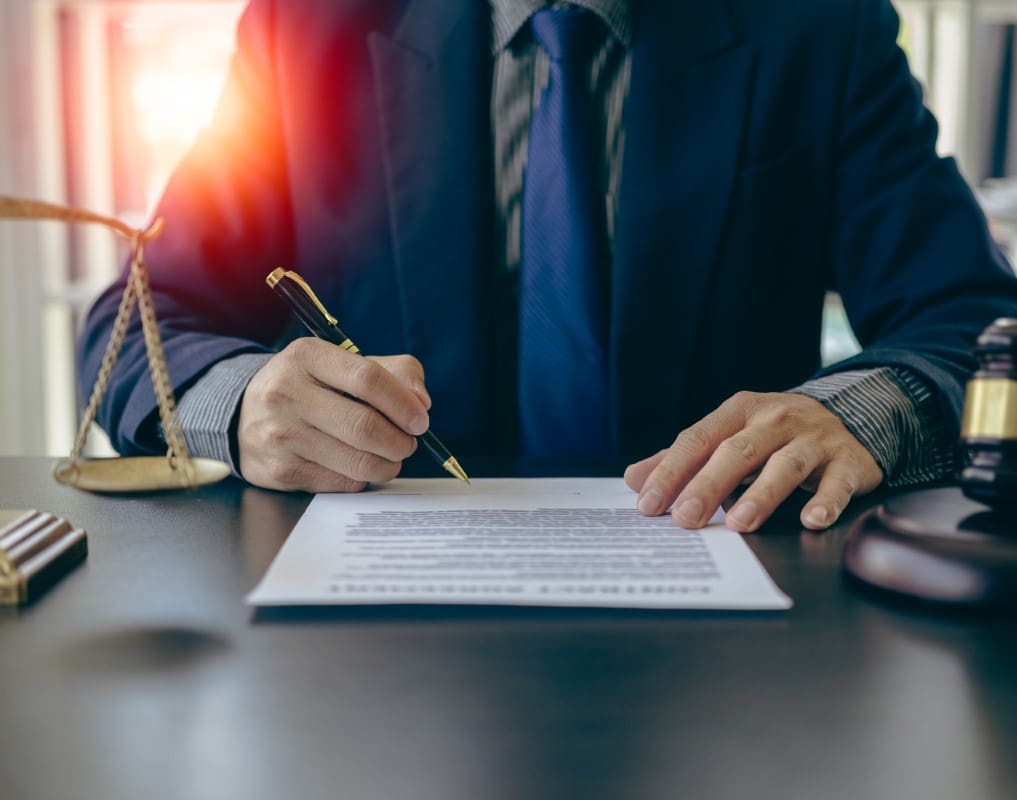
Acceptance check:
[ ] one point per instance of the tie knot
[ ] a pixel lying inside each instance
(567, 34)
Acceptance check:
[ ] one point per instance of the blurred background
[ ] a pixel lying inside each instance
(100, 98)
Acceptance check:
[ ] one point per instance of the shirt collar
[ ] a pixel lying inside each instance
(508, 16)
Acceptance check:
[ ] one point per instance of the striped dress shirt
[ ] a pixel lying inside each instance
(891, 411)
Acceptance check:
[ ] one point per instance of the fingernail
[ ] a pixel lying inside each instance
(419, 425)
(649, 502)
(818, 517)
(744, 515)
(690, 512)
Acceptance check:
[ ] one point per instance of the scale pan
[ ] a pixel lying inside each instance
(139, 474)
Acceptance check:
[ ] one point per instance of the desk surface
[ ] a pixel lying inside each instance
(142, 674)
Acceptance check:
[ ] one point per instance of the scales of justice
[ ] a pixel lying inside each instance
(177, 469)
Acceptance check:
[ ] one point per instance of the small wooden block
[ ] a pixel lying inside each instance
(36, 550)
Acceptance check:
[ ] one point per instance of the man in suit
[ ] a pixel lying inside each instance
(606, 227)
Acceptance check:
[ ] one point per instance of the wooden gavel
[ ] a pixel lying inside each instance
(989, 427)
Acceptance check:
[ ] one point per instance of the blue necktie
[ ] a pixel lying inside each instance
(563, 317)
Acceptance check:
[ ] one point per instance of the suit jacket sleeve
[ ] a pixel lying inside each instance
(913, 259)
(228, 224)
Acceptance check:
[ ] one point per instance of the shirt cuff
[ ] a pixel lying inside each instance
(895, 416)
(207, 410)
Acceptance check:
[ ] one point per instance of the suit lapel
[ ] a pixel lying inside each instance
(688, 95)
(432, 80)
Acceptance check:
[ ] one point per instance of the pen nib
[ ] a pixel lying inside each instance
(452, 467)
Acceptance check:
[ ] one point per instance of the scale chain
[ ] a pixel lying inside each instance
(109, 360)
(178, 454)
(137, 292)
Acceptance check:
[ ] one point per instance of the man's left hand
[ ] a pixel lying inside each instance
(776, 443)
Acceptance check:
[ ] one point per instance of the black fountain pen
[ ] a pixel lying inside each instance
(306, 305)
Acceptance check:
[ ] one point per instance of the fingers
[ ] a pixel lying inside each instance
(362, 378)
(735, 458)
(353, 423)
(836, 488)
(295, 474)
(675, 467)
(774, 443)
(786, 470)
(305, 459)
(320, 419)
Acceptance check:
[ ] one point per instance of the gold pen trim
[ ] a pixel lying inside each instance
(278, 274)
(274, 277)
(452, 466)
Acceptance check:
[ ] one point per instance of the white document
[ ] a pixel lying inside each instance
(541, 542)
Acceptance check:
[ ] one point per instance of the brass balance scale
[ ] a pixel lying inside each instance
(177, 469)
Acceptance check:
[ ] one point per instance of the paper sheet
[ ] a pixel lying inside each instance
(544, 542)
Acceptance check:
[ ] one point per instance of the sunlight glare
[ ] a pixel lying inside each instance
(173, 104)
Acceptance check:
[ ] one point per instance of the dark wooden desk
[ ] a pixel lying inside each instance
(143, 675)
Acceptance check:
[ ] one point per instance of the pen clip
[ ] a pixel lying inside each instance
(278, 274)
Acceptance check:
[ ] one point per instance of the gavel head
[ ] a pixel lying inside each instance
(989, 426)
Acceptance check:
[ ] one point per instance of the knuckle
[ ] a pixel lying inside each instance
(361, 426)
(275, 391)
(301, 350)
(849, 452)
(287, 473)
(743, 399)
(276, 436)
(410, 365)
(840, 485)
(794, 462)
(363, 376)
(692, 440)
(842, 461)
(744, 448)
(786, 416)
(366, 467)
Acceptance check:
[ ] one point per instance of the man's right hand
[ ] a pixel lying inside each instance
(320, 419)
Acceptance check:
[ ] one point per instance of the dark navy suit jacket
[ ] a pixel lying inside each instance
(774, 149)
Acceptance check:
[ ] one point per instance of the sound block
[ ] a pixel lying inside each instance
(937, 545)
